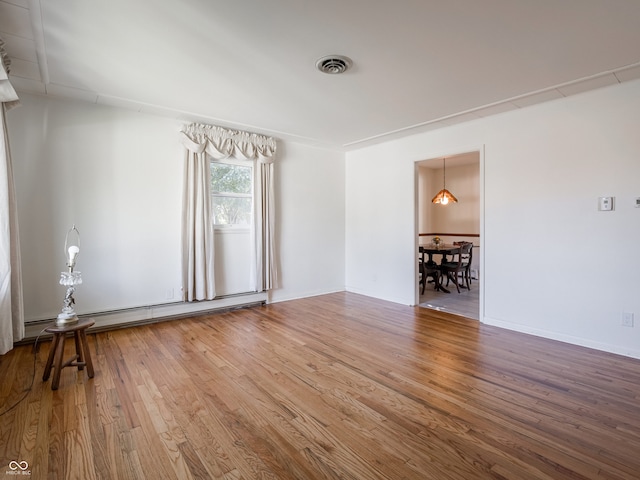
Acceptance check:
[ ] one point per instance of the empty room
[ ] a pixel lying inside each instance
(234, 237)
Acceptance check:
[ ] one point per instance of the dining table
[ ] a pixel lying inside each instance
(443, 249)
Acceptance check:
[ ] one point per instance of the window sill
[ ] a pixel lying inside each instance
(231, 230)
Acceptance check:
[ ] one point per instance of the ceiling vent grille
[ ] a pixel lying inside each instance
(333, 64)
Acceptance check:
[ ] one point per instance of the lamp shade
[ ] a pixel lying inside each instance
(444, 196)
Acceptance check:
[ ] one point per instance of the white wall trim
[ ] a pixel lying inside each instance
(387, 298)
(305, 294)
(571, 339)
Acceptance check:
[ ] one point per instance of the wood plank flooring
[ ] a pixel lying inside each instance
(336, 386)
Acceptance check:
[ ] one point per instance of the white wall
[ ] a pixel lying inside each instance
(424, 186)
(311, 225)
(380, 244)
(117, 175)
(461, 217)
(455, 218)
(553, 265)
(113, 173)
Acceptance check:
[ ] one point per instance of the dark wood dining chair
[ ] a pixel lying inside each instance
(467, 270)
(429, 271)
(457, 267)
(465, 275)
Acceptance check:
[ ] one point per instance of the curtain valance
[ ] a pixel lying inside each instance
(198, 263)
(223, 143)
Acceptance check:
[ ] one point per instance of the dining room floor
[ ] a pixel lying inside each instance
(465, 303)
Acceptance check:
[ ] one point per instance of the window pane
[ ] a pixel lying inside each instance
(226, 178)
(229, 210)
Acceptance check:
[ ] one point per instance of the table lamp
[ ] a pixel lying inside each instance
(70, 278)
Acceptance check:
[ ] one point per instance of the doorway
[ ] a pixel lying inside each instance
(453, 222)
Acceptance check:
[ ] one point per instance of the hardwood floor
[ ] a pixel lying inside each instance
(336, 386)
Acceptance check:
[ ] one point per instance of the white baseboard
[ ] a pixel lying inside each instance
(582, 342)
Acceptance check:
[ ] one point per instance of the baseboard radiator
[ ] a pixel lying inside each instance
(129, 317)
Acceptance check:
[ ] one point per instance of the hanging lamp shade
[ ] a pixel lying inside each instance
(444, 196)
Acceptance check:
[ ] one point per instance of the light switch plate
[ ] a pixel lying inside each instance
(605, 204)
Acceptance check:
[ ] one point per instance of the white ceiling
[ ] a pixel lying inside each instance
(250, 64)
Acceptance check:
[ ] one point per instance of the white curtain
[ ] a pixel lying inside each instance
(198, 279)
(197, 249)
(266, 271)
(11, 304)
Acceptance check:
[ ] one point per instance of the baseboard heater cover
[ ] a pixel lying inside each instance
(130, 317)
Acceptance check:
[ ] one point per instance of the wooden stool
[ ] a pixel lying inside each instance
(80, 359)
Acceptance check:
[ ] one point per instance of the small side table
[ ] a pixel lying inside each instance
(82, 357)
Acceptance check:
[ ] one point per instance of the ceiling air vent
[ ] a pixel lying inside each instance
(333, 64)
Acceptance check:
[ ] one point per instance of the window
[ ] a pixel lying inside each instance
(231, 193)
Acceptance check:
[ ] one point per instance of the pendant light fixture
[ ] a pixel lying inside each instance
(444, 196)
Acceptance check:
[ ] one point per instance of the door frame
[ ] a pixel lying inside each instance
(480, 150)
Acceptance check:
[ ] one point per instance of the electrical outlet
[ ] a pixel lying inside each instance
(627, 319)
